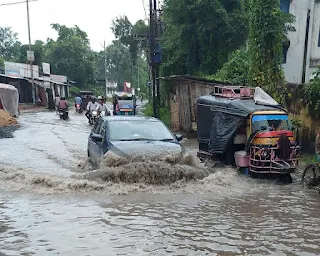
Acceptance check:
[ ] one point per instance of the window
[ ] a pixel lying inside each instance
(284, 53)
(138, 130)
(285, 5)
(270, 123)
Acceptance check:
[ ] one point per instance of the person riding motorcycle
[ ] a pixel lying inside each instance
(102, 106)
(77, 101)
(63, 103)
(92, 105)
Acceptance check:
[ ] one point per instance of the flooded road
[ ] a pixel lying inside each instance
(44, 210)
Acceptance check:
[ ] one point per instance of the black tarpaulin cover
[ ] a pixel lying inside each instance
(224, 127)
(226, 115)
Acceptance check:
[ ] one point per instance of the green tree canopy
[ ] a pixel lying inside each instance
(131, 35)
(199, 35)
(71, 55)
(9, 44)
(268, 28)
(119, 67)
(236, 69)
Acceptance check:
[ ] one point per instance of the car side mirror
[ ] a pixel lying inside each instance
(179, 137)
(97, 137)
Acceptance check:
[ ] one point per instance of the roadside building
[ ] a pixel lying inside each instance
(183, 94)
(22, 84)
(111, 88)
(60, 85)
(19, 75)
(301, 53)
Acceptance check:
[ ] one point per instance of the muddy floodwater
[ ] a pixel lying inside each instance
(50, 206)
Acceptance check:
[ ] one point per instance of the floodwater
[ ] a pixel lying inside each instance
(46, 209)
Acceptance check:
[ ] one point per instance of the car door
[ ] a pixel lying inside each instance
(94, 145)
(100, 146)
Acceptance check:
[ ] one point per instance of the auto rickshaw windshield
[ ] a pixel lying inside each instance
(124, 98)
(270, 123)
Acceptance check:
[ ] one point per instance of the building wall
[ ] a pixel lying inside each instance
(315, 41)
(293, 68)
(183, 103)
(315, 47)
(294, 64)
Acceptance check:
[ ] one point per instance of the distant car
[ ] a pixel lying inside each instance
(132, 136)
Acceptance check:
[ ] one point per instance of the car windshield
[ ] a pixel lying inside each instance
(138, 130)
(270, 123)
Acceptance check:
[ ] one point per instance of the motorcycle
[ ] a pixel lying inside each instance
(64, 114)
(93, 117)
(78, 108)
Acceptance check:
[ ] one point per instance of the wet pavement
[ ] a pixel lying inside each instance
(223, 214)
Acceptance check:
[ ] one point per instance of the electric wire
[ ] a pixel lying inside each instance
(21, 2)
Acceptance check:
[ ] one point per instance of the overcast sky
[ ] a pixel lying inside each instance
(92, 16)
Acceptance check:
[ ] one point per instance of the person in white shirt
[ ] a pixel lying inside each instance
(92, 105)
(102, 106)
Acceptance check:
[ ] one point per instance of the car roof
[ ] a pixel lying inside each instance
(130, 118)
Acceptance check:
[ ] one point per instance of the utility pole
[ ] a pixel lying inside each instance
(31, 67)
(105, 66)
(138, 62)
(151, 47)
(157, 68)
(155, 56)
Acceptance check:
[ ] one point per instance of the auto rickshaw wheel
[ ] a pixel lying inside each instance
(311, 176)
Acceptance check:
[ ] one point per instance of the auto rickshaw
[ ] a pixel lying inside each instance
(245, 127)
(124, 104)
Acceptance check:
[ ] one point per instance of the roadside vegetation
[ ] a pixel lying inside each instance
(164, 113)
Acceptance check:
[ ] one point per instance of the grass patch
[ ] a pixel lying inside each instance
(164, 113)
(308, 159)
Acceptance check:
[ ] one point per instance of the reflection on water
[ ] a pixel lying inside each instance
(277, 223)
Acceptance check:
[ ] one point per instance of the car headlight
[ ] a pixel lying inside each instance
(94, 112)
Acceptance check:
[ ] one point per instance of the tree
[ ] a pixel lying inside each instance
(236, 69)
(134, 38)
(199, 35)
(9, 44)
(71, 54)
(117, 63)
(268, 28)
(128, 34)
(311, 93)
(119, 68)
(1, 63)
